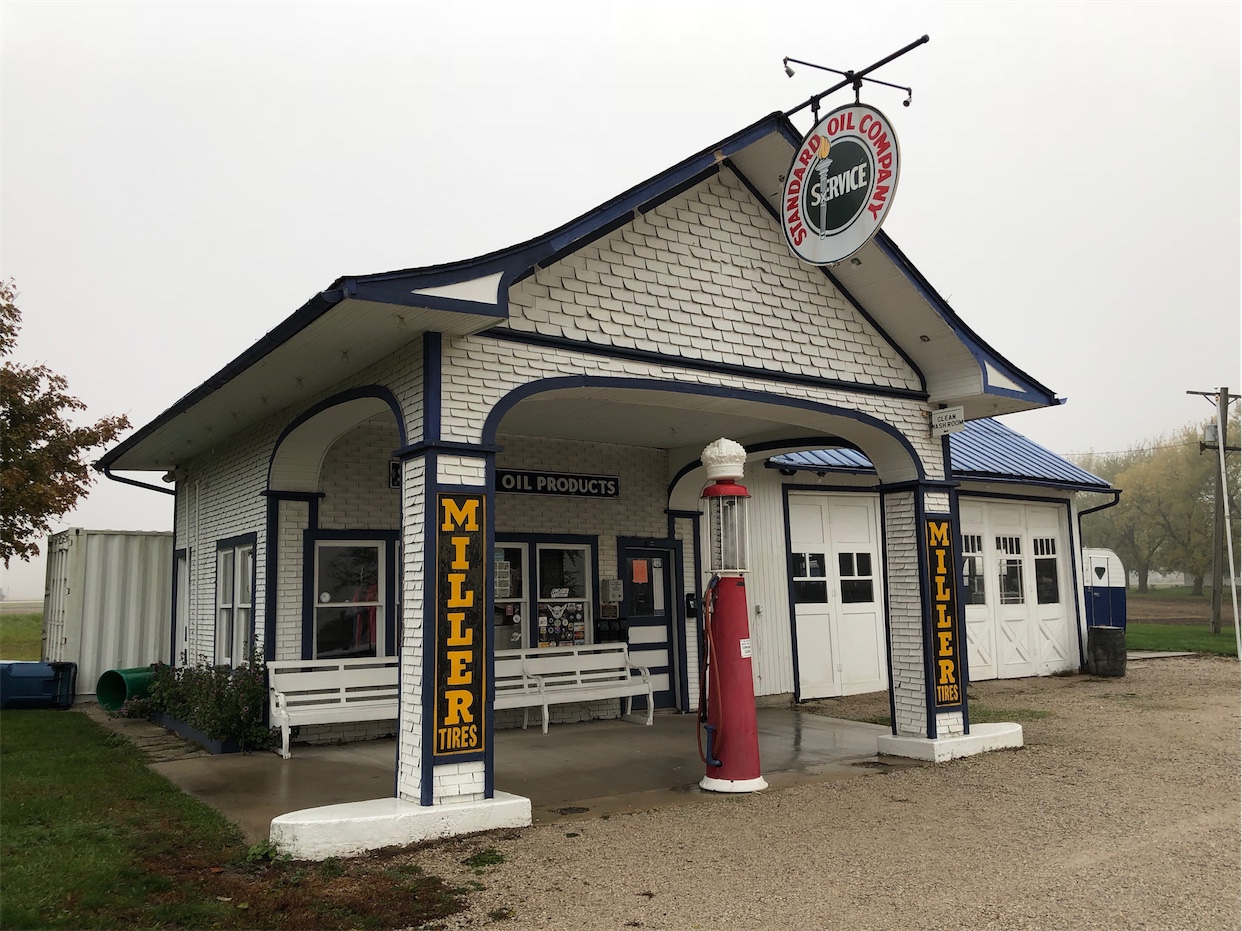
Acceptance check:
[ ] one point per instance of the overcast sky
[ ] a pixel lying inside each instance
(180, 177)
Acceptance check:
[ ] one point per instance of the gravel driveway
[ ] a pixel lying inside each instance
(1122, 811)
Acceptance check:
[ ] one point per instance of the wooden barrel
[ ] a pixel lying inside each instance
(1106, 651)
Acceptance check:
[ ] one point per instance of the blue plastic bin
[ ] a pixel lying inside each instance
(37, 685)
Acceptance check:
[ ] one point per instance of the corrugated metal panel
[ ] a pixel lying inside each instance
(987, 448)
(108, 603)
(984, 449)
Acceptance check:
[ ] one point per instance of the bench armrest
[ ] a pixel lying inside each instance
(644, 671)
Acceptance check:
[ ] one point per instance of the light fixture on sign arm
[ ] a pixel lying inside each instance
(853, 79)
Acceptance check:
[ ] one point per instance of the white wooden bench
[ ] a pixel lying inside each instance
(330, 691)
(558, 675)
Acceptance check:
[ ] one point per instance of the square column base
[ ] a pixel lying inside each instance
(355, 827)
(982, 737)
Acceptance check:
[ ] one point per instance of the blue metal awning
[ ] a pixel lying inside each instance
(985, 450)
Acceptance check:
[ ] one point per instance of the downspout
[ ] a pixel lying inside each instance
(1079, 627)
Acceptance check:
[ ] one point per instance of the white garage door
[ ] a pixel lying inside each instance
(838, 593)
(1016, 589)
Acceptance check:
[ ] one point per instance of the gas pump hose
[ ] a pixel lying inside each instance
(706, 669)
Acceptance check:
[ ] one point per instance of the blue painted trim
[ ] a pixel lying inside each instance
(310, 537)
(888, 620)
(675, 622)
(182, 553)
(431, 489)
(379, 392)
(694, 517)
(106, 470)
(701, 365)
(401, 294)
(920, 539)
(789, 594)
(990, 478)
(231, 543)
(922, 484)
(446, 446)
(836, 283)
(271, 562)
(489, 627)
(1080, 608)
(982, 352)
(432, 382)
(519, 394)
(955, 526)
(834, 489)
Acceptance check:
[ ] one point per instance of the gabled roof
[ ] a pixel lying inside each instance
(360, 319)
(984, 451)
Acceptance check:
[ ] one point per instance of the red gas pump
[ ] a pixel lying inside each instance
(726, 689)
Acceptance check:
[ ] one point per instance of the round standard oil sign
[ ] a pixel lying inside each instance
(840, 184)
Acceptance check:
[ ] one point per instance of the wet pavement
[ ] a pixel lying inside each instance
(595, 767)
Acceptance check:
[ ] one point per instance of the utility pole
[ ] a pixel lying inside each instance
(1221, 399)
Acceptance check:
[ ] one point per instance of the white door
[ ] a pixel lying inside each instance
(1015, 588)
(980, 627)
(838, 594)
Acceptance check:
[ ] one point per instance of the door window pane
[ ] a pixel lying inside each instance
(809, 578)
(856, 585)
(972, 569)
(1047, 588)
(1012, 589)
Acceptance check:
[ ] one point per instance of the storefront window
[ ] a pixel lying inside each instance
(349, 607)
(1047, 588)
(810, 578)
(509, 613)
(563, 610)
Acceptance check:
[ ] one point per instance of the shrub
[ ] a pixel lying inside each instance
(224, 703)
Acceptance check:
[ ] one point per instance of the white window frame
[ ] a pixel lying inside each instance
(234, 602)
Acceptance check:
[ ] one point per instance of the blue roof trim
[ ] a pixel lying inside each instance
(986, 450)
(392, 292)
(518, 261)
(982, 352)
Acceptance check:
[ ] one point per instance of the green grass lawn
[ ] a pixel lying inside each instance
(90, 837)
(21, 636)
(1181, 637)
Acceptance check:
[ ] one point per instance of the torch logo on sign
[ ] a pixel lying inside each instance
(840, 185)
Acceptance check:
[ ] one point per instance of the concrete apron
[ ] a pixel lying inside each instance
(576, 770)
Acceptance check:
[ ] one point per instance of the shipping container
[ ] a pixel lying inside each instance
(107, 601)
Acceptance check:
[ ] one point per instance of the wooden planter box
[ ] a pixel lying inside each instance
(181, 729)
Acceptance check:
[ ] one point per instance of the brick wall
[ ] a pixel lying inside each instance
(905, 613)
(354, 479)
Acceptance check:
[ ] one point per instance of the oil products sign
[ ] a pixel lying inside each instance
(517, 482)
(948, 681)
(460, 702)
(840, 184)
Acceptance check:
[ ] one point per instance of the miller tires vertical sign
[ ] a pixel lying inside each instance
(948, 681)
(460, 705)
(840, 185)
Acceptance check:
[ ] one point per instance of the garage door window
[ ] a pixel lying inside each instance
(1047, 590)
(972, 568)
(1012, 591)
(857, 586)
(810, 578)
